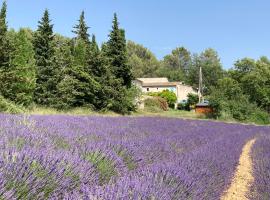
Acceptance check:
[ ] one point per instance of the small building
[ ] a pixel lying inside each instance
(203, 108)
(160, 84)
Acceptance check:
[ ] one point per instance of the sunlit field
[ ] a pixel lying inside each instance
(68, 157)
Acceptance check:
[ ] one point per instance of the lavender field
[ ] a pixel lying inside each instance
(65, 157)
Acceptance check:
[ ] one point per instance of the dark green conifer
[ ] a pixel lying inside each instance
(44, 55)
(81, 29)
(117, 54)
(4, 43)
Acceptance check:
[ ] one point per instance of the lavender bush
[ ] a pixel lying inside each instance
(66, 157)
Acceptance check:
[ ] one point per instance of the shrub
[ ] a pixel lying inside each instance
(259, 117)
(156, 104)
(169, 96)
(9, 107)
(193, 99)
(190, 103)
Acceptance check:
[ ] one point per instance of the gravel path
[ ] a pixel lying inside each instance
(243, 178)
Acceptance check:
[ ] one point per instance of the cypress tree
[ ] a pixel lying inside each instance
(117, 54)
(81, 29)
(44, 53)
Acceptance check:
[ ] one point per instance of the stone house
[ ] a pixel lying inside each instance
(159, 84)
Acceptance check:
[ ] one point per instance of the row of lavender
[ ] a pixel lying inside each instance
(64, 157)
(261, 168)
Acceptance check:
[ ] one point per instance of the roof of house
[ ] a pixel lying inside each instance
(203, 104)
(157, 82)
(153, 80)
(164, 84)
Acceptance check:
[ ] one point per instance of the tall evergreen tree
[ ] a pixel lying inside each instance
(81, 29)
(5, 50)
(117, 54)
(94, 59)
(78, 86)
(22, 72)
(4, 43)
(44, 55)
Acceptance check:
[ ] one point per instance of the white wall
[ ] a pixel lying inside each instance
(183, 91)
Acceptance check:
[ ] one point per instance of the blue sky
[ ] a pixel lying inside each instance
(235, 28)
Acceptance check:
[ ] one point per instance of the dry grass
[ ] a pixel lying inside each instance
(75, 111)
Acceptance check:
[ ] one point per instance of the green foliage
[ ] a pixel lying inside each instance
(9, 107)
(127, 159)
(142, 61)
(259, 117)
(121, 98)
(176, 65)
(156, 104)
(254, 80)
(81, 29)
(95, 60)
(5, 50)
(193, 99)
(77, 87)
(104, 166)
(44, 52)
(21, 75)
(116, 52)
(169, 96)
(4, 42)
(191, 102)
(228, 98)
(211, 69)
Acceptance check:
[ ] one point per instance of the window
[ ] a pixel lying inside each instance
(147, 89)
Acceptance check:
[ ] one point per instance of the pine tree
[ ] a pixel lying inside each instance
(78, 87)
(94, 59)
(117, 54)
(4, 43)
(44, 55)
(81, 30)
(63, 62)
(112, 95)
(5, 50)
(22, 76)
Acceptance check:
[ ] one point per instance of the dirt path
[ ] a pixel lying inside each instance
(243, 176)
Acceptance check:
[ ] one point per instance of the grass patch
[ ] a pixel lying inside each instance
(18, 142)
(60, 142)
(43, 174)
(7, 106)
(74, 111)
(171, 113)
(127, 159)
(104, 166)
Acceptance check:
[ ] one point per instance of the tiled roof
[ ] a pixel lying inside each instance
(153, 80)
(156, 84)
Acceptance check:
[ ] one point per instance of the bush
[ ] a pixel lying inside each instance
(9, 107)
(124, 100)
(191, 102)
(156, 104)
(193, 99)
(259, 117)
(182, 106)
(169, 96)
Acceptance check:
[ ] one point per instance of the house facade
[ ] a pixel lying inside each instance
(159, 84)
